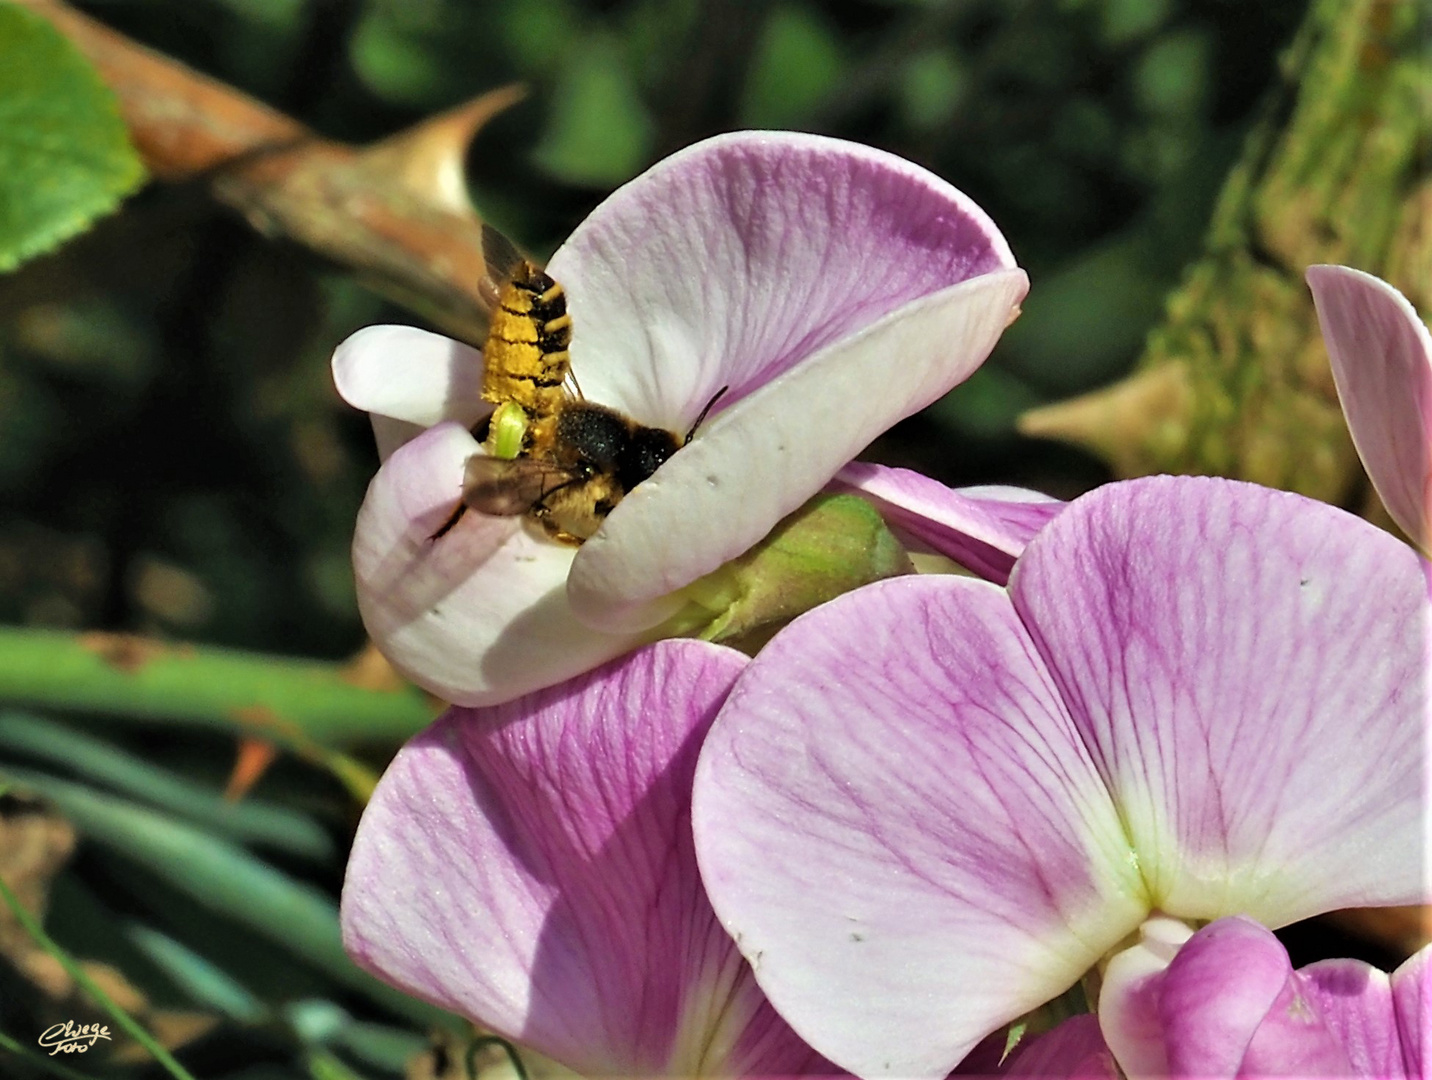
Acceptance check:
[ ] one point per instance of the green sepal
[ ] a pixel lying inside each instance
(832, 544)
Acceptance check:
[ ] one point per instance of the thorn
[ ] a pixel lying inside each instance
(1135, 425)
(250, 763)
(427, 159)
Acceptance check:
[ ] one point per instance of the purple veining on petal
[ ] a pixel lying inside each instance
(729, 262)
(531, 867)
(984, 529)
(1247, 667)
(1355, 1001)
(895, 819)
(1412, 1004)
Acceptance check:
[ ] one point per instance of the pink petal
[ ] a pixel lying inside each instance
(480, 614)
(1248, 668)
(1412, 1002)
(409, 375)
(896, 821)
(984, 529)
(1228, 1004)
(1075, 1049)
(530, 866)
(1355, 1001)
(1382, 363)
(735, 259)
(763, 457)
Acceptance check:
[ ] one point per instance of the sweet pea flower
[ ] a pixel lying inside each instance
(531, 866)
(1225, 1001)
(934, 804)
(833, 289)
(1381, 356)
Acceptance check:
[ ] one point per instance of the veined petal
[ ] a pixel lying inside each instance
(984, 529)
(1247, 667)
(897, 822)
(1381, 355)
(479, 614)
(530, 866)
(1412, 1002)
(409, 375)
(763, 457)
(738, 257)
(1355, 1001)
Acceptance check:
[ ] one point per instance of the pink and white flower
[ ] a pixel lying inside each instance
(531, 866)
(834, 289)
(933, 804)
(1381, 354)
(1225, 1001)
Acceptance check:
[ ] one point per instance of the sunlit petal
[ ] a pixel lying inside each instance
(733, 260)
(896, 820)
(409, 375)
(1247, 667)
(1381, 355)
(530, 866)
(984, 529)
(763, 457)
(479, 614)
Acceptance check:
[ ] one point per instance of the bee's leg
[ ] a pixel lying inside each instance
(447, 526)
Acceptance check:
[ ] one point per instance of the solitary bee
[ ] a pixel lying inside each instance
(549, 453)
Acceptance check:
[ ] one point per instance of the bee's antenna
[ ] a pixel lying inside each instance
(447, 526)
(715, 398)
(575, 384)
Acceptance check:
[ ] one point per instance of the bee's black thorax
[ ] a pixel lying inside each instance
(608, 442)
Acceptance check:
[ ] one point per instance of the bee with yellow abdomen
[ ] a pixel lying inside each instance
(550, 454)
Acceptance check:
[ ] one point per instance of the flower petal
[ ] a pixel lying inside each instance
(984, 529)
(410, 375)
(1382, 363)
(1355, 1001)
(1412, 1001)
(736, 258)
(896, 821)
(1248, 668)
(763, 457)
(1075, 1050)
(531, 867)
(480, 614)
(1228, 1004)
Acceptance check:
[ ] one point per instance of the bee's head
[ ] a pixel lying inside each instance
(643, 454)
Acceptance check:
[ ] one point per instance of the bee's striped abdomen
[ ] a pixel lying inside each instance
(526, 351)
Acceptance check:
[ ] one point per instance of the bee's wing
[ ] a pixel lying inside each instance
(502, 260)
(507, 487)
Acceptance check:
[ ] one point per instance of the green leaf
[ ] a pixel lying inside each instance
(65, 155)
(599, 132)
(798, 62)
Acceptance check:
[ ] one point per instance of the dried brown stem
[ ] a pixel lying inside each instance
(390, 211)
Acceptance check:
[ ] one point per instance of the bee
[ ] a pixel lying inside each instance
(549, 453)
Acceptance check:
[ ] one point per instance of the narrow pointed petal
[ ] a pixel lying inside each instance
(731, 261)
(480, 614)
(763, 457)
(1381, 355)
(984, 529)
(1074, 1050)
(1248, 668)
(530, 866)
(896, 821)
(411, 375)
(1412, 1002)
(1355, 1001)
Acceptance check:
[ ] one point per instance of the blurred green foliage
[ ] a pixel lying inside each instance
(176, 462)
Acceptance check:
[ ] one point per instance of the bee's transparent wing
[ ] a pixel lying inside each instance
(508, 487)
(502, 260)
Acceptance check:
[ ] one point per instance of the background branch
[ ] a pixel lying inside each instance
(395, 212)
